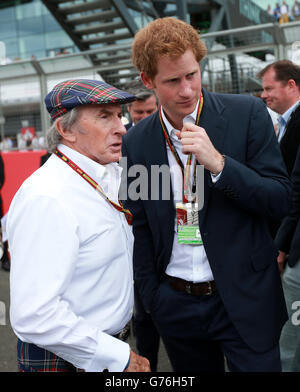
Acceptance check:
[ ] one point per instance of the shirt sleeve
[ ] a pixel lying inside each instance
(44, 244)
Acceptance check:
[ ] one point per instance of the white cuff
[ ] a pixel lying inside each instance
(214, 177)
(111, 354)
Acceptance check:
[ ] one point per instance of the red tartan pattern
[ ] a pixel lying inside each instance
(32, 358)
(71, 93)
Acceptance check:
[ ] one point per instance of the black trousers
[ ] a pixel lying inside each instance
(198, 333)
(146, 334)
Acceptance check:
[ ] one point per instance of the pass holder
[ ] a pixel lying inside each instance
(188, 231)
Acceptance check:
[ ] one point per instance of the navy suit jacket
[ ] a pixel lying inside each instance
(254, 185)
(291, 140)
(289, 146)
(288, 235)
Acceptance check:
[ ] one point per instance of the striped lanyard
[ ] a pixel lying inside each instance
(186, 171)
(95, 185)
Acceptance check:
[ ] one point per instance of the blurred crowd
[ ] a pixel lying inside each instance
(282, 13)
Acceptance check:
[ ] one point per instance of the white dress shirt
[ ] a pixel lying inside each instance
(71, 264)
(188, 262)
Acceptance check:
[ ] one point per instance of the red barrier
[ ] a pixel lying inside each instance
(18, 165)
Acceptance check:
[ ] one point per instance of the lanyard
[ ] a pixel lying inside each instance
(95, 185)
(186, 171)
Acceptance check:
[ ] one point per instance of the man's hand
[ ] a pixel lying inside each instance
(138, 363)
(281, 261)
(195, 140)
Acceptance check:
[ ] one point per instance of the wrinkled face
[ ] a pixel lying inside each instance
(142, 109)
(275, 93)
(177, 85)
(98, 132)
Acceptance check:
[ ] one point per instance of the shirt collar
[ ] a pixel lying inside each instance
(95, 170)
(189, 118)
(286, 115)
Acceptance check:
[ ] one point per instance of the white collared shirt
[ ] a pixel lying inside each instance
(283, 120)
(188, 262)
(71, 264)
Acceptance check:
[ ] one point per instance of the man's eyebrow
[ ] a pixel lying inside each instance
(104, 111)
(107, 111)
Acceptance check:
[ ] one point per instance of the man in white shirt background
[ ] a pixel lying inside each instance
(281, 84)
(71, 241)
(281, 92)
(284, 11)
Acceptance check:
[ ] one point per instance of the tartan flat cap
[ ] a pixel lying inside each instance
(71, 93)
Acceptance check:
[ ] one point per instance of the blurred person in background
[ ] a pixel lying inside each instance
(281, 84)
(288, 243)
(284, 13)
(277, 13)
(281, 92)
(144, 105)
(269, 10)
(296, 10)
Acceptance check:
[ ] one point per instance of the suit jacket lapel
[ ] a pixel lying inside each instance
(213, 120)
(215, 125)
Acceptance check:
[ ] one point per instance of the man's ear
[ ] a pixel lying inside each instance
(291, 83)
(147, 81)
(66, 134)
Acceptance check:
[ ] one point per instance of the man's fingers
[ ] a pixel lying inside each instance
(190, 127)
(138, 363)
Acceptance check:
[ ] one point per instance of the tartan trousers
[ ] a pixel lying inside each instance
(32, 358)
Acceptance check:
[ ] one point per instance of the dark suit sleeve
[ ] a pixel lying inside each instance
(261, 184)
(290, 223)
(143, 259)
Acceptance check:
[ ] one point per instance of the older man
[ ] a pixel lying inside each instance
(71, 242)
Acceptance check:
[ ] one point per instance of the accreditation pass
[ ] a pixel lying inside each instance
(188, 231)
